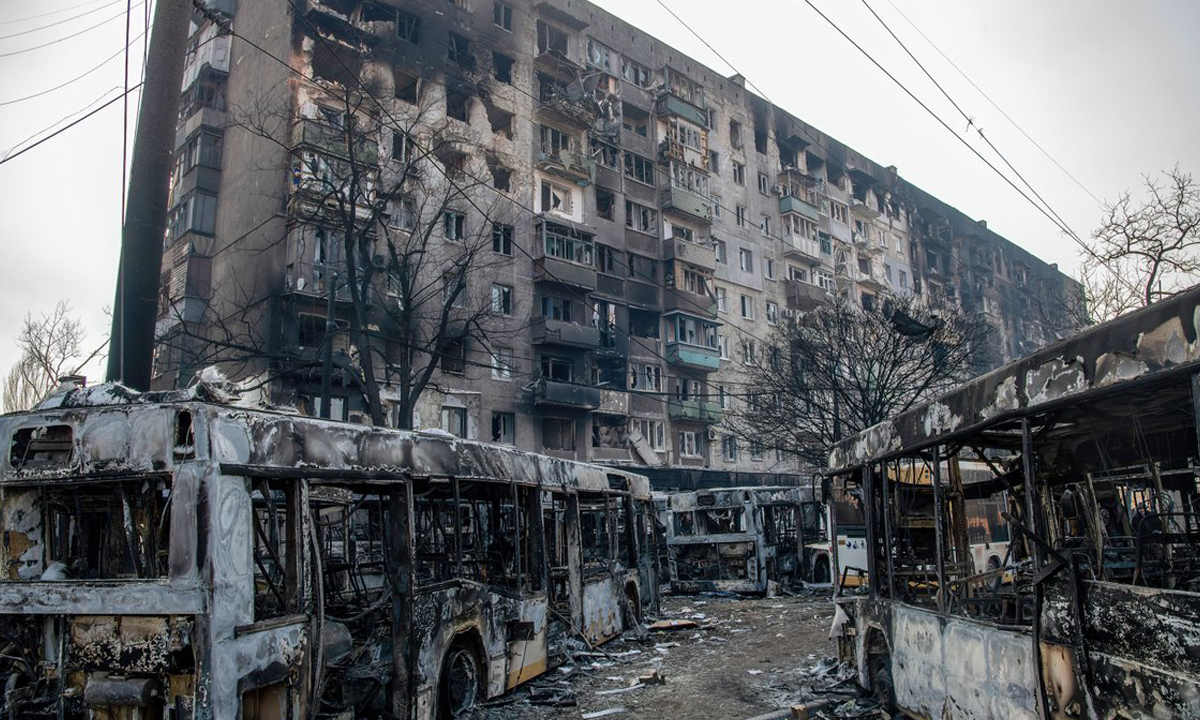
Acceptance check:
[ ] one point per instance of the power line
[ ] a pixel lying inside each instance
(58, 22)
(1065, 228)
(53, 12)
(27, 148)
(65, 37)
(970, 120)
(993, 103)
(81, 76)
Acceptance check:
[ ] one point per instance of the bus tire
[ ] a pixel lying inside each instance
(461, 683)
(820, 573)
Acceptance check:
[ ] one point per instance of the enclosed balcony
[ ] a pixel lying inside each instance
(556, 394)
(682, 200)
(671, 104)
(701, 256)
(793, 204)
(333, 140)
(679, 300)
(614, 402)
(803, 296)
(557, 332)
(694, 357)
(798, 247)
(566, 255)
(694, 409)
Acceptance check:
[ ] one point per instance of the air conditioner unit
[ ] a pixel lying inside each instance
(779, 190)
(712, 434)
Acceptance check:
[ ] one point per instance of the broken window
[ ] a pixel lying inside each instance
(555, 198)
(634, 72)
(454, 419)
(504, 428)
(641, 218)
(502, 67)
(277, 542)
(558, 434)
(551, 40)
(635, 119)
(408, 86)
(459, 51)
(502, 366)
(595, 532)
(454, 226)
(458, 105)
(606, 201)
(408, 27)
(501, 179)
(500, 120)
(454, 360)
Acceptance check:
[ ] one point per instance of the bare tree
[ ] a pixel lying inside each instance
(839, 369)
(52, 346)
(1145, 249)
(395, 210)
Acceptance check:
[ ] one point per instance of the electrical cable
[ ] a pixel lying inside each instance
(22, 151)
(54, 12)
(58, 22)
(993, 102)
(65, 37)
(47, 91)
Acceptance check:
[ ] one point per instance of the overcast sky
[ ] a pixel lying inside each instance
(1107, 87)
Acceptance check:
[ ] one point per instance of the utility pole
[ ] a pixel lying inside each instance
(327, 361)
(136, 305)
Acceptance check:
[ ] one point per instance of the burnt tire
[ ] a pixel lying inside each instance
(460, 687)
(820, 573)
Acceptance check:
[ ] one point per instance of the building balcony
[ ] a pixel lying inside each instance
(804, 297)
(695, 410)
(801, 248)
(671, 104)
(614, 402)
(693, 357)
(332, 139)
(701, 256)
(863, 210)
(793, 204)
(552, 393)
(677, 300)
(556, 332)
(564, 272)
(685, 201)
(568, 165)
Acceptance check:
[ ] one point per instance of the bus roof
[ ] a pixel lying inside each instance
(115, 431)
(1155, 344)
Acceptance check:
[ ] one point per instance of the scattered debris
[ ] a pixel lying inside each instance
(673, 625)
(604, 713)
(653, 677)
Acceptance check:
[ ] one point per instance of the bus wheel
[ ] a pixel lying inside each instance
(820, 573)
(461, 678)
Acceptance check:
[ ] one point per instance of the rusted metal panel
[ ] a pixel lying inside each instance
(100, 597)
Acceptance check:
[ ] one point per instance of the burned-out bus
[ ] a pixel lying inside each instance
(745, 539)
(1092, 457)
(167, 558)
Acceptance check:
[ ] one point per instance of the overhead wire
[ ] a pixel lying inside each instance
(27, 18)
(75, 79)
(993, 103)
(58, 22)
(64, 38)
(22, 151)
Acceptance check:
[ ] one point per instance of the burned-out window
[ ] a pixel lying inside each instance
(685, 522)
(551, 39)
(349, 534)
(458, 105)
(277, 541)
(408, 27)
(719, 521)
(111, 531)
(595, 532)
(502, 68)
(459, 51)
(606, 201)
(408, 86)
(558, 434)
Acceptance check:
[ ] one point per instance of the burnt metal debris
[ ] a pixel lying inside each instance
(743, 540)
(1090, 450)
(164, 557)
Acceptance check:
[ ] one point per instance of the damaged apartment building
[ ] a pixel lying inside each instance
(657, 221)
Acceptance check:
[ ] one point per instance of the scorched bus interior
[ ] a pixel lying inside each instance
(1086, 602)
(165, 558)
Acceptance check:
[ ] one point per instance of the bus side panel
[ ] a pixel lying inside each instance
(958, 669)
(602, 598)
(527, 657)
